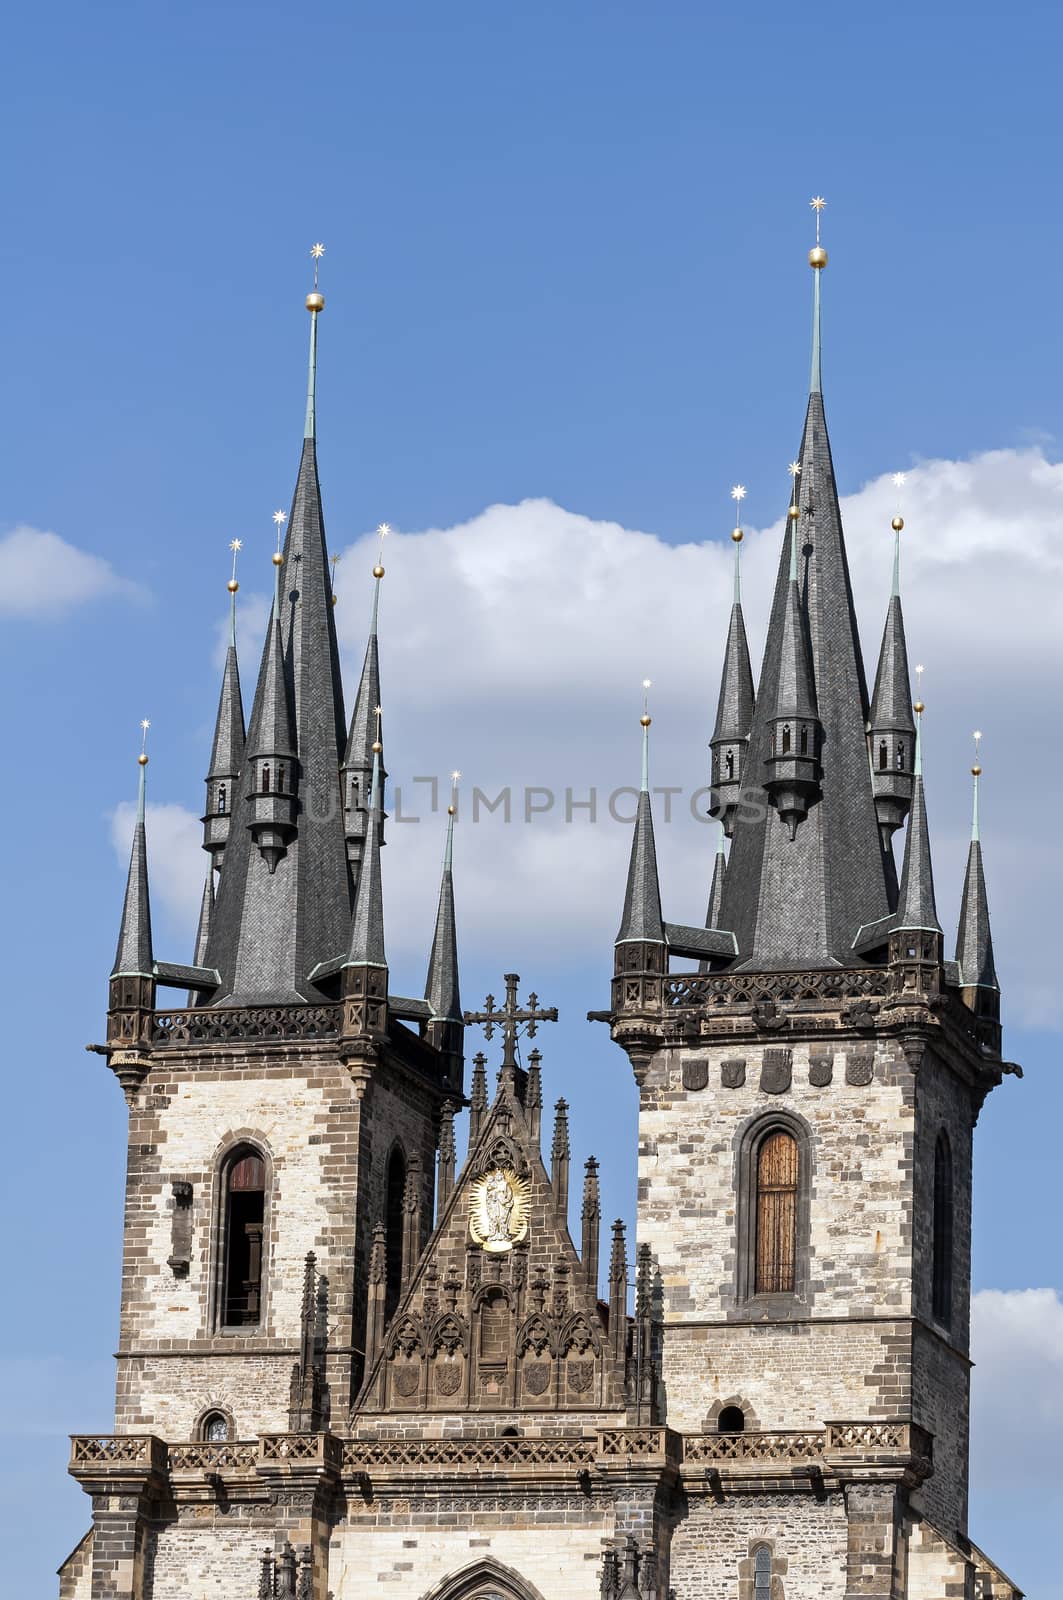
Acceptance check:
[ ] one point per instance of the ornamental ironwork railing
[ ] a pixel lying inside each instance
(832, 987)
(227, 1024)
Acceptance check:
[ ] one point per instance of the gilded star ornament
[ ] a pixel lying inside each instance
(280, 518)
(898, 480)
(454, 776)
(145, 724)
(738, 492)
(317, 251)
(817, 203)
(383, 529)
(794, 469)
(236, 544)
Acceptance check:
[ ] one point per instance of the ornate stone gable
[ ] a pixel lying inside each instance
(501, 1314)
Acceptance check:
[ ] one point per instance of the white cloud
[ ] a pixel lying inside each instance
(41, 575)
(176, 862)
(1017, 1384)
(513, 646)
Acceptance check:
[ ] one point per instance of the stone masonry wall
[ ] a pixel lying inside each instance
(712, 1545)
(859, 1260)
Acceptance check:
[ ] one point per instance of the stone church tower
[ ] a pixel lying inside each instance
(348, 1362)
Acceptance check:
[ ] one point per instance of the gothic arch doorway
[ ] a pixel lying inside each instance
(484, 1580)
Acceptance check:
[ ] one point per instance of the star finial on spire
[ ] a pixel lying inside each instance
(317, 251)
(738, 492)
(817, 203)
(794, 469)
(145, 724)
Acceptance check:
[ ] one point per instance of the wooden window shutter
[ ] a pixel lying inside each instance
(777, 1161)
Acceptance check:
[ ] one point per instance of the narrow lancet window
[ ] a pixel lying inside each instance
(242, 1239)
(762, 1573)
(221, 799)
(265, 779)
(883, 756)
(776, 1214)
(786, 740)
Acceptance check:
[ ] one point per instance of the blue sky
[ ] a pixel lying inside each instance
(565, 265)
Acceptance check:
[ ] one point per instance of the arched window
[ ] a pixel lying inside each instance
(943, 1223)
(804, 741)
(786, 740)
(265, 778)
(729, 763)
(900, 756)
(215, 1427)
(221, 799)
(883, 755)
(243, 1224)
(776, 1213)
(396, 1190)
(762, 1573)
(280, 778)
(732, 1419)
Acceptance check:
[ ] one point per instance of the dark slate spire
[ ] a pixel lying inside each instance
(795, 729)
(734, 710)
(206, 910)
(974, 940)
(642, 921)
(719, 873)
(270, 930)
(800, 902)
(892, 728)
(133, 957)
(364, 733)
(227, 750)
(366, 946)
(271, 749)
(441, 986)
(916, 908)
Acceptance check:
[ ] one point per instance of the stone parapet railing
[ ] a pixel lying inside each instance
(233, 1024)
(836, 1450)
(834, 986)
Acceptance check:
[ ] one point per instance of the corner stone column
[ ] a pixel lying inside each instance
(872, 1567)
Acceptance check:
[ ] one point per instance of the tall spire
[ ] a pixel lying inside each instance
(134, 957)
(365, 731)
(271, 748)
(734, 709)
(719, 873)
(891, 731)
(206, 909)
(642, 920)
(916, 908)
(272, 929)
(366, 947)
(974, 940)
(800, 902)
(227, 749)
(441, 985)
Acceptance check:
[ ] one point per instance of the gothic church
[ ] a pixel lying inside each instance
(351, 1363)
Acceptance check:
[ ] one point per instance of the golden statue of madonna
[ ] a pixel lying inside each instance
(498, 1209)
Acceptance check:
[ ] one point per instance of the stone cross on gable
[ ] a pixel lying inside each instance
(511, 1017)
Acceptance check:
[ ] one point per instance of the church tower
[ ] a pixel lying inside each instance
(808, 1099)
(351, 1357)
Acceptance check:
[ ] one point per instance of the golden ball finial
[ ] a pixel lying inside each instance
(976, 771)
(794, 513)
(918, 708)
(278, 559)
(377, 747)
(378, 571)
(335, 599)
(315, 301)
(737, 535)
(232, 586)
(897, 524)
(817, 257)
(451, 810)
(142, 759)
(645, 719)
